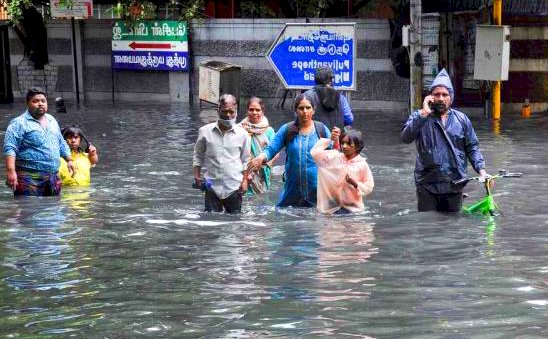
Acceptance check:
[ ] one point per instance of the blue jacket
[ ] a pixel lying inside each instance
(438, 162)
(301, 173)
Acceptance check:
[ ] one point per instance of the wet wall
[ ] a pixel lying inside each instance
(239, 41)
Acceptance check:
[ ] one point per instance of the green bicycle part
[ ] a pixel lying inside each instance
(486, 206)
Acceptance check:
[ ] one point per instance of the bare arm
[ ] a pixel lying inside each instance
(197, 177)
(92, 155)
(11, 175)
(245, 184)
(273, 160)
(256, 163)
(198, 158)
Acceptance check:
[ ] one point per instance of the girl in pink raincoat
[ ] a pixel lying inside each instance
(344, 178)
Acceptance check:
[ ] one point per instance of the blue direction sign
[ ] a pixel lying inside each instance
(150, 45)
(301, 48)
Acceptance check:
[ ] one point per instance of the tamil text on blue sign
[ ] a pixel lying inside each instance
(301, 48)
(150, 45)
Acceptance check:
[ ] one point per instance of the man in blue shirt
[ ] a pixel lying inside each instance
(33, 145)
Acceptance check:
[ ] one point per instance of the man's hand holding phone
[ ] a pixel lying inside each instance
(426, 106)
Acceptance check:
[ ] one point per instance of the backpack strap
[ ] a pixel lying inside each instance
(320, 129)
(293, 131)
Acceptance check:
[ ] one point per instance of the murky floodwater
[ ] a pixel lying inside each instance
(134, 256)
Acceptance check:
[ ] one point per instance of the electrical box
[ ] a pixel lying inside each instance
(492, 57)
(217, 78)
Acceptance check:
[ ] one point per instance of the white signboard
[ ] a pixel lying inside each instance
(79, 9)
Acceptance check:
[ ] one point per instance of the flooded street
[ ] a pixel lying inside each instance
(135, 256)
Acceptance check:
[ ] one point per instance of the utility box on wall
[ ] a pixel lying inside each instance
(492, 57)
(218, 78)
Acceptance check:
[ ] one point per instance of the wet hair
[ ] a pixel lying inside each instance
(35, 91)
(323, 76)
(227, 98)
(257, 100)
(70, 131)
(300, 98)
(355, 137)
(74, 130)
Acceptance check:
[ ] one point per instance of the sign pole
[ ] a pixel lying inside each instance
(415, 46)
(75, 59)
(497, 15)
(190, 65)
(112, 82)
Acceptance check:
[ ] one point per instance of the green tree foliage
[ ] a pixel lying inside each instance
(15, 8)
(133, 10)
(256, 9)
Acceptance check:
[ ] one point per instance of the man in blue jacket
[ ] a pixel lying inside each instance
(445, 139)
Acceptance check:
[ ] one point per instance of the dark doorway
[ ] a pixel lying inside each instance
(6, 94)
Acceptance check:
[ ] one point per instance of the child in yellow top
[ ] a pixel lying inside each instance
(83, 161)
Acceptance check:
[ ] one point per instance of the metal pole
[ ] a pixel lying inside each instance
(415, 46)
(349, 9)
(191, 64)
(497, 16)
(112, 81)
(75, 59)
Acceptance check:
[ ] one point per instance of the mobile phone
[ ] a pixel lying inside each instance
(436, 107)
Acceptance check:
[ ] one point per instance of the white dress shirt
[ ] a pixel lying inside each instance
(223, 155)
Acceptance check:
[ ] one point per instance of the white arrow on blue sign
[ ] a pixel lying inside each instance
(301, 48)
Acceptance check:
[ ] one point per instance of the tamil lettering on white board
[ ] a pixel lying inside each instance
(159, 45)
(77, 9)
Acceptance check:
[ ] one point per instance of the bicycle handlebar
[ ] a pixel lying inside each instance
(502, 174)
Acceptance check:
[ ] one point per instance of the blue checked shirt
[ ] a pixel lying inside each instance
(34, 147)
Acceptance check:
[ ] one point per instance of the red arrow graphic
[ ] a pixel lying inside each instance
(135, 45)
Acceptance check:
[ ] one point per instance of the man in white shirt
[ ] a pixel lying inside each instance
(223, 148)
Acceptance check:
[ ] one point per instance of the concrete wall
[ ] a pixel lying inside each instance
(246, 42)
(528, 78)
(240, 41)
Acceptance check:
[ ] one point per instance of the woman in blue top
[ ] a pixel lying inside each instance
(298, 137)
